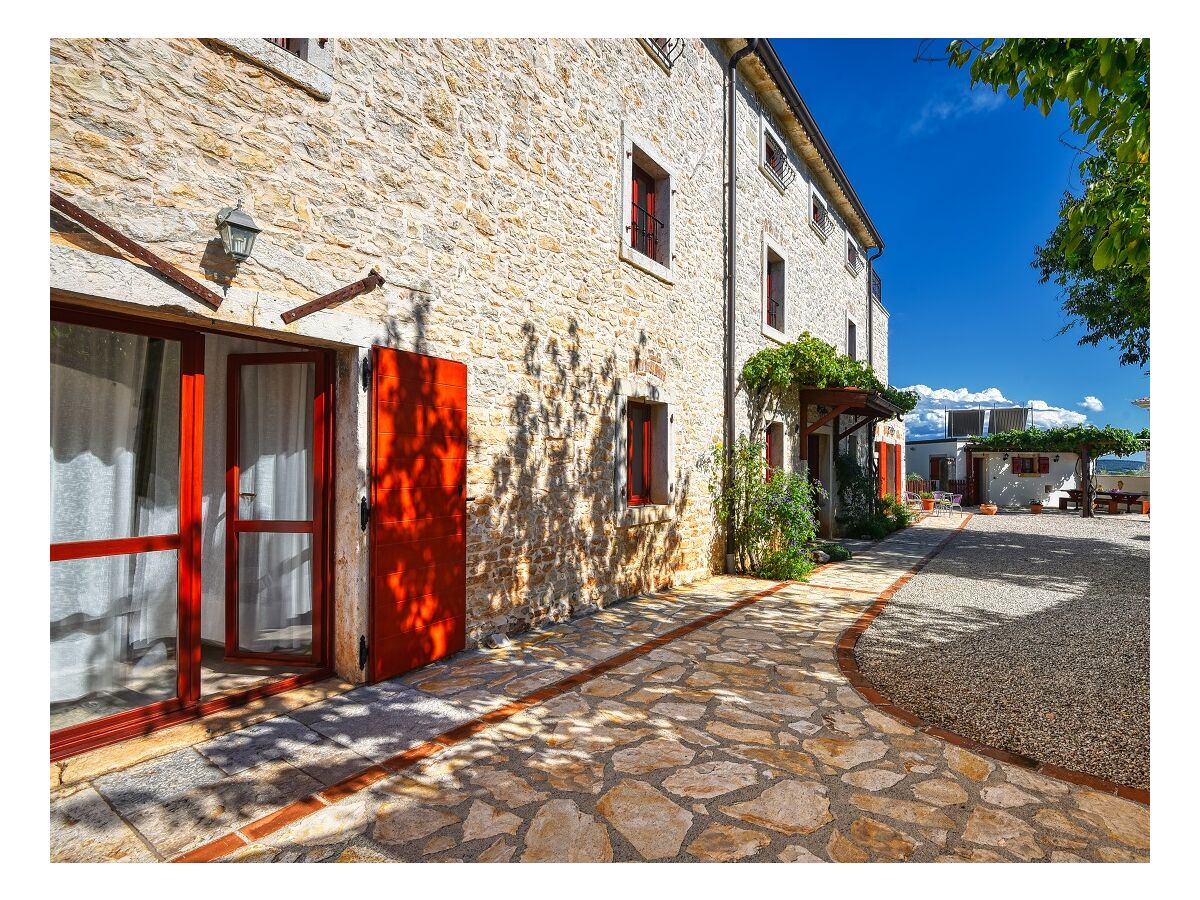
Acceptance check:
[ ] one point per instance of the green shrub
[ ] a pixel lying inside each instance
(774, 519)
(898, 512)
(836, 552)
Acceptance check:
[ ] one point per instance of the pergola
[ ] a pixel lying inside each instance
(868, 406)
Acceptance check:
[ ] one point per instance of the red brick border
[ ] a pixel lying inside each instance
(848, 663)
(347, 787)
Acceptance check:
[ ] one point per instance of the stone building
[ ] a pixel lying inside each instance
(512, 424)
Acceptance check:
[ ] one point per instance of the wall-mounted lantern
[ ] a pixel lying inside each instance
(1006, 456)
(237, 231)
(1056, 457)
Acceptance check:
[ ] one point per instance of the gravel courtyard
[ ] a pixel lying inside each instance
(1029, 633)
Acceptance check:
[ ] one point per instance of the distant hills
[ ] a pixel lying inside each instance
(1113, 466)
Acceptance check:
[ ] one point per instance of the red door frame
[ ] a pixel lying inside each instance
(236, 526)
(186, 704)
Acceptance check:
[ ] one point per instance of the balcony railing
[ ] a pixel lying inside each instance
(876, 286)
(648, 233)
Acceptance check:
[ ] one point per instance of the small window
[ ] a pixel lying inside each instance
(774, 159)
(641, 453)
(776, 285)
(664, 51)
(294, 46)
(820, 220)
(1031, 465)
(646, 222)
(646, 230)
(851, 339)
(774, 447)
(854, 257)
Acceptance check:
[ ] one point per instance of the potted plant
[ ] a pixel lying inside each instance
(926, 500)
(988, 509)
(1035, 505)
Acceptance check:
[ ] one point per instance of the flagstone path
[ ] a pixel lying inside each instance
(710, 723)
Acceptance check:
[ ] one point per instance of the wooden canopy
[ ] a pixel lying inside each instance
(869, 406)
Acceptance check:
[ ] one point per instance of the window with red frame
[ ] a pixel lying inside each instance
(776, 283)
(646, 228)
(641, 452)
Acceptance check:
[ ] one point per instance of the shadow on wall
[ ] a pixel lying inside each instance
(544, 539)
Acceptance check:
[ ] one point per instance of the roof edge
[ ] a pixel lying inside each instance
(765, 51)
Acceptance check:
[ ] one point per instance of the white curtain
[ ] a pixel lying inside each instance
(276, 482)
(114, 472)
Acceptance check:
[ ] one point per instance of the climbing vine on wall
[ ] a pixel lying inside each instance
(809, 361)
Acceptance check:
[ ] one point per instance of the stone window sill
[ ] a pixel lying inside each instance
(641, 261)
(774, 333)
(647, 514)
(314, 76)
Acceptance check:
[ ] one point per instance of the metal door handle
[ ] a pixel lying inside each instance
(248, 494)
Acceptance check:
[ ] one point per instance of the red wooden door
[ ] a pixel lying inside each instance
(418, 511)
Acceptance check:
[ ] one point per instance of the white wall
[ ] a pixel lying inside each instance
(917, 457)
(1004, 488)
(1140, 483)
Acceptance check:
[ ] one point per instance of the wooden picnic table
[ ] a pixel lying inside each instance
(1113, 498)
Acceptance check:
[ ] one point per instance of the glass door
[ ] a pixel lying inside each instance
(120, 404)
(274, 486)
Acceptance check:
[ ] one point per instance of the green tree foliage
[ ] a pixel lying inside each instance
(774, 519)
(1074, 439)
(810, 361)
(1099, 255)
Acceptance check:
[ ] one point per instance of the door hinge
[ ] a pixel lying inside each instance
(364, 513)
(366, 372)
(362, 651)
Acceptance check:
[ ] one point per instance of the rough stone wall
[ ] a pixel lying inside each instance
(483, 180)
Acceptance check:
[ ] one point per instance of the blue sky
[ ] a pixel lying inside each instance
(962, 185)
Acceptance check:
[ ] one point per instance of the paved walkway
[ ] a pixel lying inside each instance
(708, 724)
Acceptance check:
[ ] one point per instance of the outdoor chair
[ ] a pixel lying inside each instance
(912, 499)
(955, 503)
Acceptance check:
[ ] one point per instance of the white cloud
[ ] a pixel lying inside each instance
(1047, 416)
(928, 420)
(1091, 403)
(942, 109)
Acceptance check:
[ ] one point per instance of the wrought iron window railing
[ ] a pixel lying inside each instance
(648, 234)
(668, 50)
(294, 46)
(775, 311)
(854, 259)
(876, 286)
(777, 163)
(821, 219)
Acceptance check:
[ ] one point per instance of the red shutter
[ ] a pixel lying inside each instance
(418, 511)
(898, 471)
(1043, 465)
(883, 469)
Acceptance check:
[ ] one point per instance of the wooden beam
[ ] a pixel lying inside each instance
(153, 260)
(829, 417)
(853, 428)
(362, 286)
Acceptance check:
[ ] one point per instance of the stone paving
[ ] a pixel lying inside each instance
(740, 740)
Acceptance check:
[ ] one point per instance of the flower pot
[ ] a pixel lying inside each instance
(927, 505)
(1035, 508)
(988, 509)
(1145, 507)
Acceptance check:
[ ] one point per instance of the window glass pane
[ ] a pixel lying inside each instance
(639, 419)
(275, 592)
(275, 436)
(113, 634)
(114, 434)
